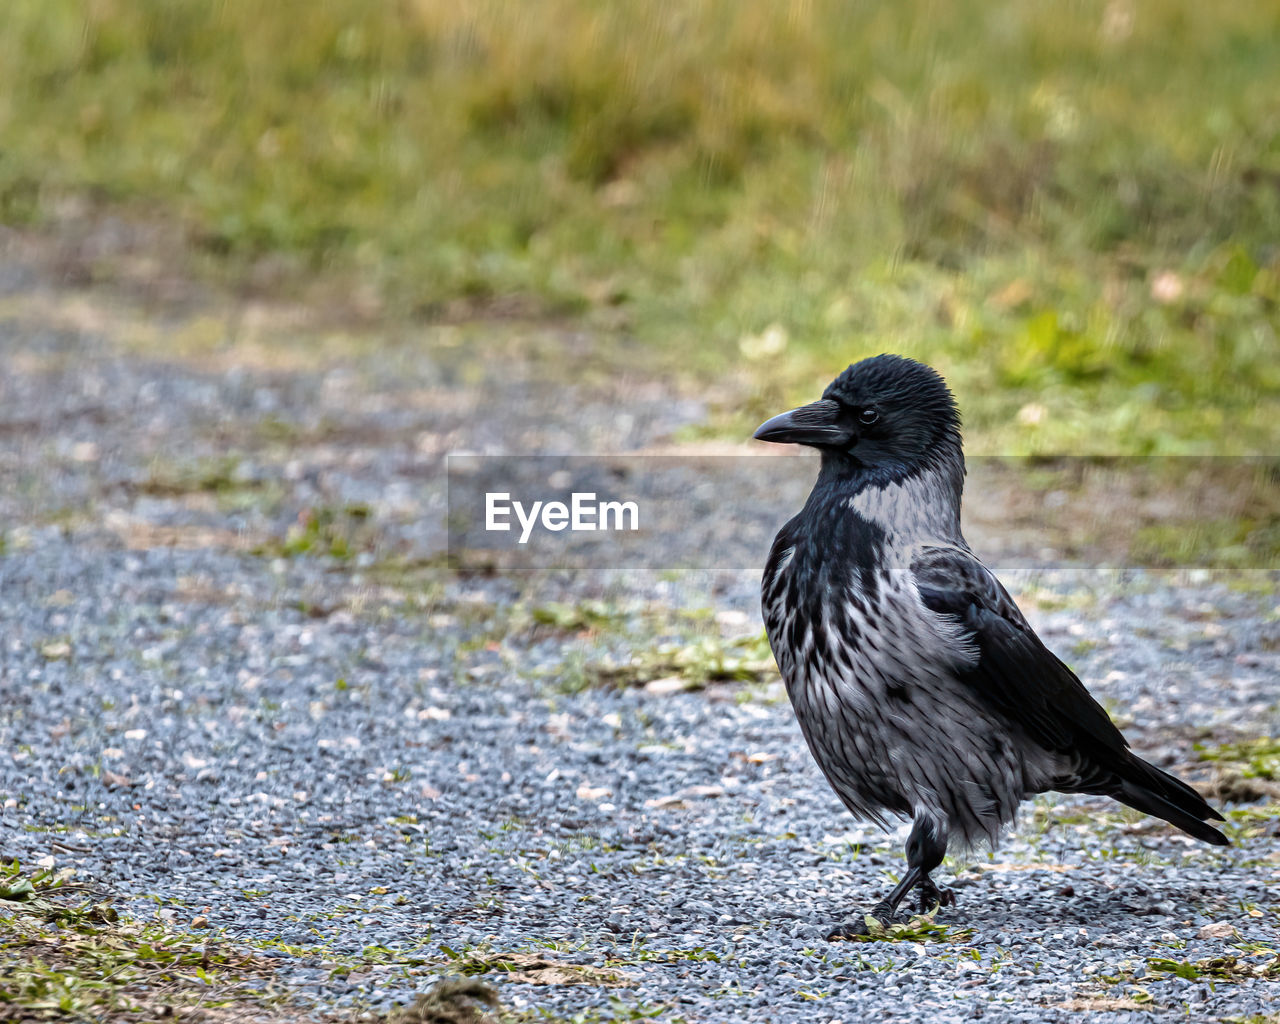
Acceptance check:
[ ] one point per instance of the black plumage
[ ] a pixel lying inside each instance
(918, 684)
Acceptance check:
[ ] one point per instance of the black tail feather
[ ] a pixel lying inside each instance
(1154, 792)
(1172, 789)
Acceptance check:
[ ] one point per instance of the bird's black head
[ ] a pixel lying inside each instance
(887, 413)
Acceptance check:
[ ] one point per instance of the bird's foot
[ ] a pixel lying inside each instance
(932, 897)
(876, 920)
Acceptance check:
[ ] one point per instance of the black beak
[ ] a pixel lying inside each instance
(817, 424)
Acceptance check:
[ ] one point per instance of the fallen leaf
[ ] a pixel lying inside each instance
(535, 969)
(1012, 295)
(1102, 1005)
(664, 803)
(1167, 287)
(666, 686)
(1032, 414)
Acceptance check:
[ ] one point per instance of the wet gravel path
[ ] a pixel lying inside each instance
(377, 771)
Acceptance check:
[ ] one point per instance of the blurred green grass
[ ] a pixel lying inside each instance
(1073, 210)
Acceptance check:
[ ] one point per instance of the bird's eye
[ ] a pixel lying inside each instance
(867, 416)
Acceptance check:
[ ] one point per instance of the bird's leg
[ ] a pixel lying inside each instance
(926, 846)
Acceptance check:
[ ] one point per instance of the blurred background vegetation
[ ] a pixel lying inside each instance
(1072, 209)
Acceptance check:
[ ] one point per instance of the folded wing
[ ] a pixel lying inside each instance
(1017, 675)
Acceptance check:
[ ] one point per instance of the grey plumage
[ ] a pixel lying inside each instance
(919, 686)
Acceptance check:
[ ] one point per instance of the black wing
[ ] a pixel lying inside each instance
(1014, 670)
(1020, 677)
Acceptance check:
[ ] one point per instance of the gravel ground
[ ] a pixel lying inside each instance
(238, 685)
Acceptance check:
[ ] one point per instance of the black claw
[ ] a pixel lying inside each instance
(932, 897)
(858, 927)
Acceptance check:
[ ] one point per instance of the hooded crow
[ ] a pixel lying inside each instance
(918, 684)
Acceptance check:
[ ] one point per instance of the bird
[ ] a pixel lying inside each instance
(918, 684)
